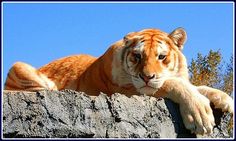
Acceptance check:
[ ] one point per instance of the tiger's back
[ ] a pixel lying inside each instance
(65, 72)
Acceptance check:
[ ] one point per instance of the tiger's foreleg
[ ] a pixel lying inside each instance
(195, 108)
(22, 76)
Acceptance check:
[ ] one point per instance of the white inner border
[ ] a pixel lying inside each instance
(97, 2)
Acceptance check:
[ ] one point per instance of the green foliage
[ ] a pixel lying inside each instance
(209, 70)
(228, 77)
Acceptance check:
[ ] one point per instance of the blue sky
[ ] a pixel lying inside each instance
(38, 33)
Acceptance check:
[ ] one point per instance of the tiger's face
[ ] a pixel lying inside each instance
(150, 56)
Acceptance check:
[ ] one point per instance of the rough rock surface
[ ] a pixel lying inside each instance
(70, 114)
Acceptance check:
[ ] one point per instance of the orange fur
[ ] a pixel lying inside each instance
(145, 62)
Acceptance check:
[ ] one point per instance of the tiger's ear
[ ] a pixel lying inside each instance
(131, 39)
(179, 37)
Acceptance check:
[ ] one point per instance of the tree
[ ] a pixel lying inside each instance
(209, 70)
(228, 77)
(205, 69)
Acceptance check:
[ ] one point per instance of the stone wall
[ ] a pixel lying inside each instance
(70, 114)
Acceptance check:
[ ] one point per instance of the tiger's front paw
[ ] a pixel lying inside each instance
(219, 98)
(222, 101)
(197, 114)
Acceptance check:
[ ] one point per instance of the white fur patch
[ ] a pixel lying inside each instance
(139, 47)
(162, 49)
(47, 83)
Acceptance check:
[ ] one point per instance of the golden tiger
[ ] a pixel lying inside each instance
(146, 62)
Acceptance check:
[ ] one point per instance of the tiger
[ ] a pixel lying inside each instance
(147, 62)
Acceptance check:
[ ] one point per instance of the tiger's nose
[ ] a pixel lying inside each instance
(146, 78)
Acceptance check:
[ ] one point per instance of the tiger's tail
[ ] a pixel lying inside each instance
(22, 76)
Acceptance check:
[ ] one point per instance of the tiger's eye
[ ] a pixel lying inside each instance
(161, 57)
(137, 56)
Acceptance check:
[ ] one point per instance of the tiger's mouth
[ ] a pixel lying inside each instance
(148, 88)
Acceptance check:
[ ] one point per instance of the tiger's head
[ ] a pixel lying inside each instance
(150, 56)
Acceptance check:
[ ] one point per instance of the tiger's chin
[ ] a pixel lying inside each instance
(147, 90)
